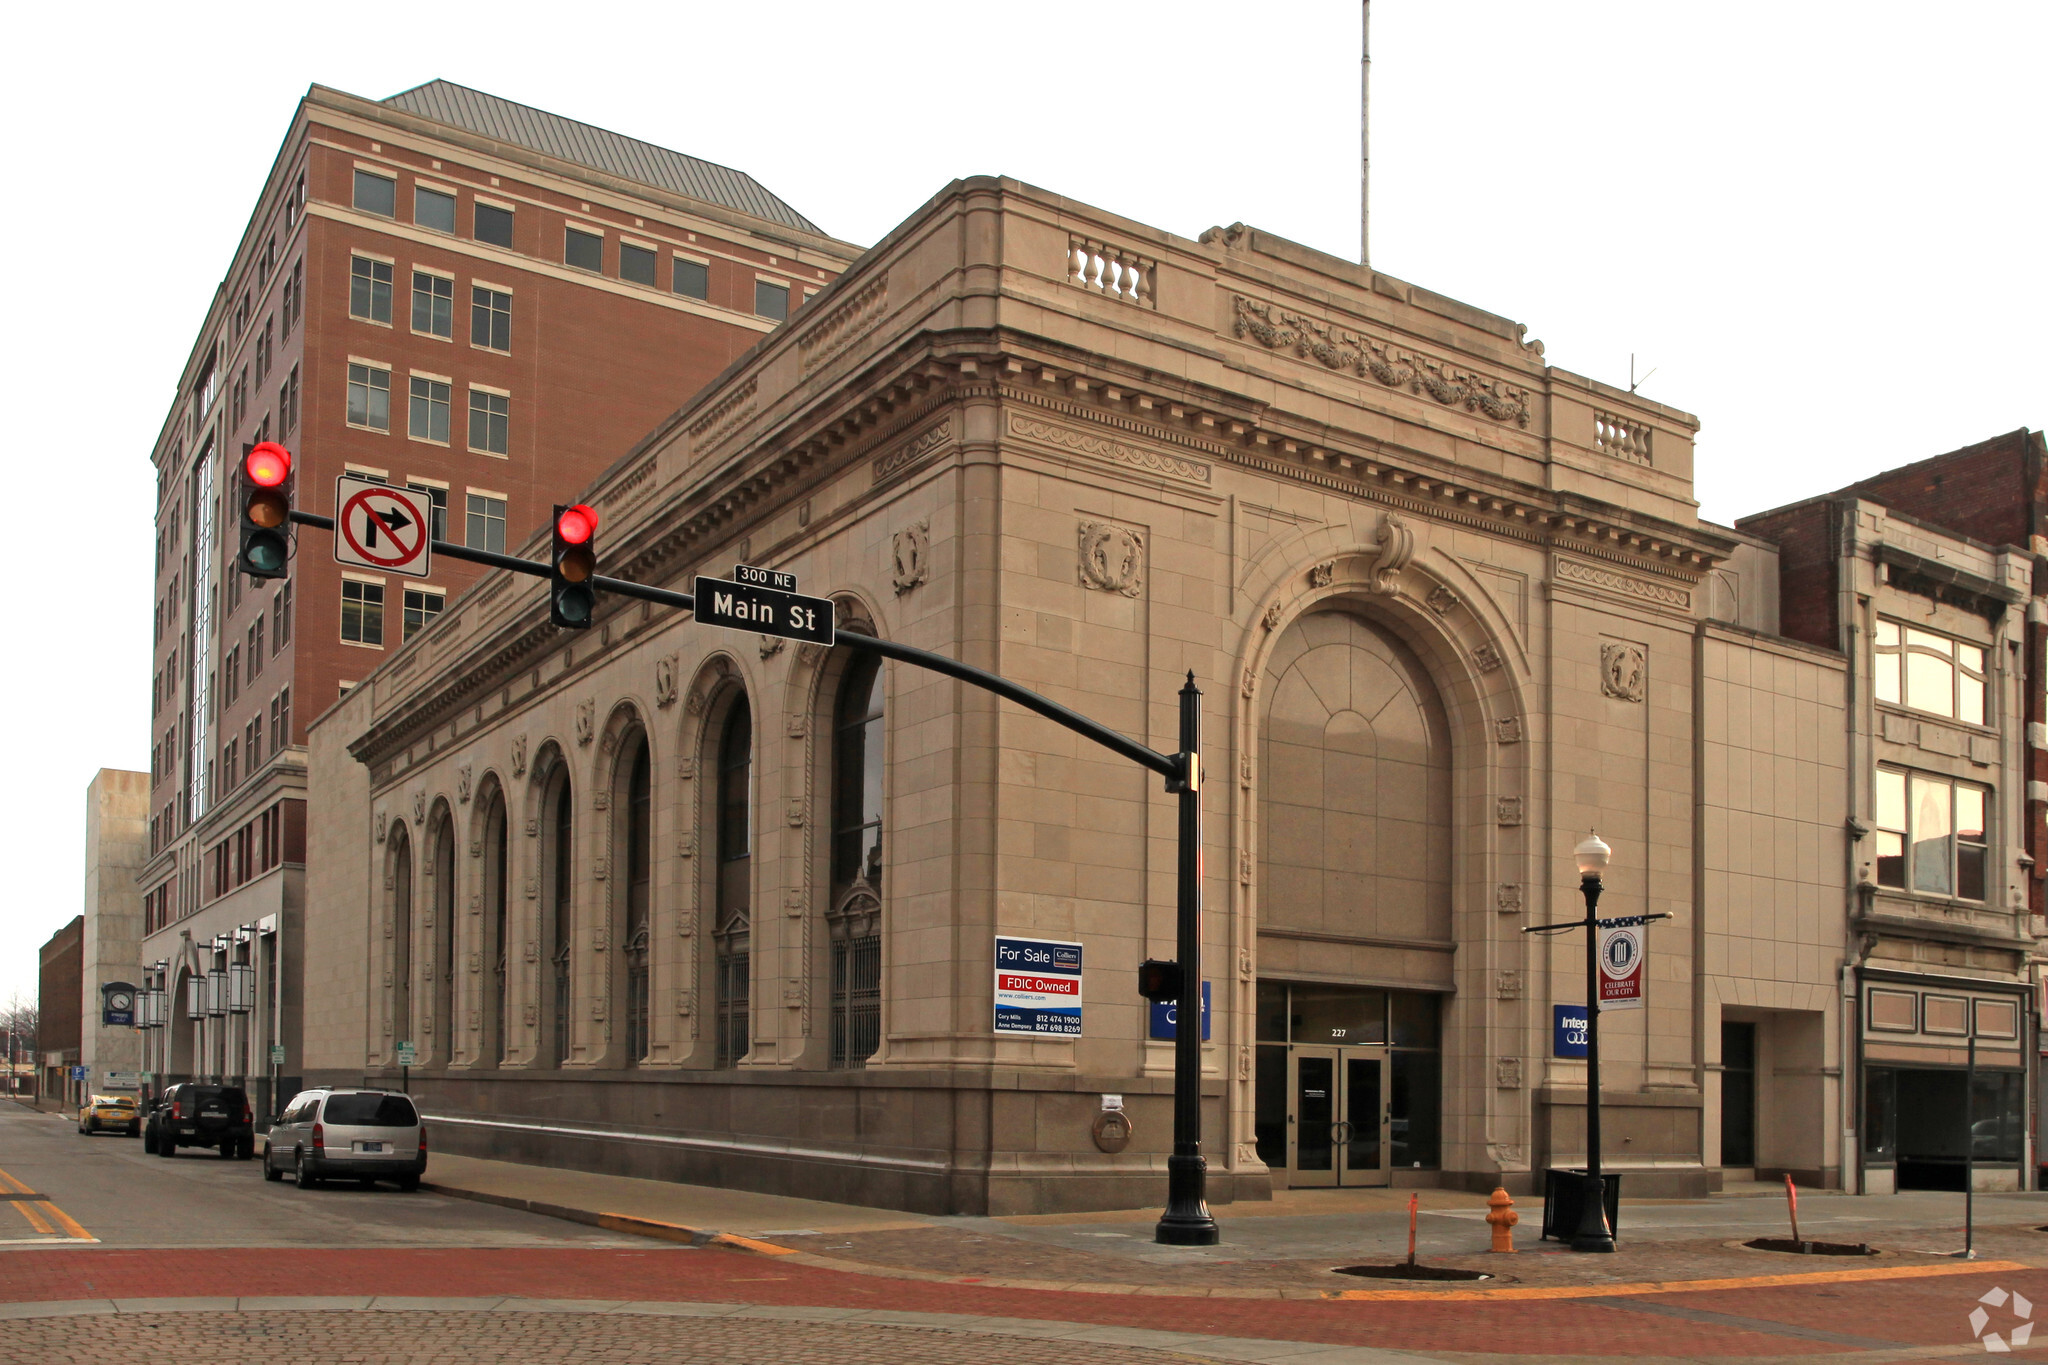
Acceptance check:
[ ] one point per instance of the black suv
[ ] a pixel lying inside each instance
(193, 1114)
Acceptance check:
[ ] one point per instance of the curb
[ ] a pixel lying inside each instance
(619, 1222)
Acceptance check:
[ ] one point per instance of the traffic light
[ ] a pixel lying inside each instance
(1158, 980)
(572, 597)
(266, 490)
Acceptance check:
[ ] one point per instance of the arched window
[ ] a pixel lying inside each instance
(440, 1024)
(563, 915)
(735, 850)
(855, 915)
(639, 886)
(400, 853)
(497, 1040)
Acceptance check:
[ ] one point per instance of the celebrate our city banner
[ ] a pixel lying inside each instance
(1038, 987)
(1624, 949)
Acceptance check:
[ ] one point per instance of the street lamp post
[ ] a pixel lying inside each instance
(1593, 1234)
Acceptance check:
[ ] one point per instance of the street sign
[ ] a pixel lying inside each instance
(277, 1054)
(407, 1055)
(377, 526)
(765, 611)
(78, 1073)
(1621, 963)
(1568, 1030)
(764, 578)
(1165, 1016)
(1038, 987)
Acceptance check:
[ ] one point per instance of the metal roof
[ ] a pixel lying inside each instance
(601, 150)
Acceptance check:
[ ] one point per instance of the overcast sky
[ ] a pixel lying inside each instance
(1816, 225)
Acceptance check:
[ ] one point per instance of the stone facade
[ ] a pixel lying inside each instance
(1450, 607)
(116, 845)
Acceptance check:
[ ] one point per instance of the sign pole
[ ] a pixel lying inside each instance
(1187, 1221)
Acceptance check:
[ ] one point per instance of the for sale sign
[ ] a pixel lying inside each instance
(1038, 987)
(1622, 953)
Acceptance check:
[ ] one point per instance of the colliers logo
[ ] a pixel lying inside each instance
(2017, 1334)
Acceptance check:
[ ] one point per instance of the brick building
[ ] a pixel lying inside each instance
(444, 290)
(60, 972)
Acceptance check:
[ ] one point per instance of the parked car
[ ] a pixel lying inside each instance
(195, 1114)
(110, 1114)
(361, 1135)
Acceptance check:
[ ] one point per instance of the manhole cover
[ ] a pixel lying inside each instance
(1402, 1270)
(1811, 1248)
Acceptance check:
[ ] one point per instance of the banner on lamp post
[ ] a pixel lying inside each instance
(1622, 953)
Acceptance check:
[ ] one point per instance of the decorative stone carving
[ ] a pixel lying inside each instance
(1322, 575)
(533, 827)
(796, 812)
(911, 452)
(419, 808)
(464, 779)
(686, 845)
(1244, 770)
(1507, 985)
(1507, 898)
(1486, 658)
(1622, 671)
(793, 903)
(808, 654)
(1112, 558)
(476, 963)
(1508, 730)
(381, 819)
(1271, 620)
(1103, 448)
(586, 721)
(771, 645)
(1441, 600)
(1250, 684)
(1507, 810)
(1507, 1073)
(797, 724)
(1396, 367)
(665, 680)
(601, 800)
(911, 555)
(1244, 866)
(1396, 548)
(530, 1014)
(1626, 585)
(686, 768)
(519, 756)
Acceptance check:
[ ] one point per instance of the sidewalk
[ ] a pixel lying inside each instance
(1291, 1247)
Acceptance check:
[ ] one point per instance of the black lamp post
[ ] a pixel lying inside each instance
(1593, 1233)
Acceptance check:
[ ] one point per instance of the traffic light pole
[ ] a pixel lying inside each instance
(1187, 1221)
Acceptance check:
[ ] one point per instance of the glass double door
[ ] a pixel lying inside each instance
(1337, 1116)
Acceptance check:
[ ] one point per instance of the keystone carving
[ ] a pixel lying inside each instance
(912, 555)
(381, 818)
(586, 721)
(464, 780)
(1111, 558)
(1396, 547)
(419, 808)
(1622, 671)
(519, 756)
(665, 680)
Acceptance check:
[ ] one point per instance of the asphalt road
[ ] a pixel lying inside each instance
(108, 1186)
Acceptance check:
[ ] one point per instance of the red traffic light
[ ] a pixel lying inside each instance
(576, 525)
(267, 464)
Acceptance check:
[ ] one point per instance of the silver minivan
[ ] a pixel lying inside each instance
(363, 1135)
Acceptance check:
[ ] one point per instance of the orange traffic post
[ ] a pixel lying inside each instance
(1501, 1214)
(1792, 1204)
(1414, 1203)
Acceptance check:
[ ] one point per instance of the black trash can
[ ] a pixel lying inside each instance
(1564, 1196)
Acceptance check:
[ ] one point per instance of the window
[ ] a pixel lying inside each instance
(281, 617)
(288, 404)
(421, 607)
(437, 498)
(486, 528)
(731, 964)
(294, 300)
(362, 612)
(639, 887)
(255, 642)
(692, 279)
(564, 917)
(242, 313)
(853, 919)
(428, 420)
(252, 740)
(433, 304)
(493, 225)
(636, 263)
(490, 418)
(1929, 672)
(268, 263)
(433, 209)
(1930, 835)
(279, 717)
(584, 250)
(369, 289)
(295, 202)
(369, 397)
(376, 194)
(490, 319)
(231, 676)
(771, 300)
(238, 399)
(264, 346)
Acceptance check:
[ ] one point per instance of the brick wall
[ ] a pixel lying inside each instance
(1992, 491)
(1808, 561)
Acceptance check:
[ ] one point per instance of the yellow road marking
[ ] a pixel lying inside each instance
(42, 1218)
(1605, 1291)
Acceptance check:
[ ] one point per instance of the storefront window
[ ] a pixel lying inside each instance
(1415, 1108)
(1339, 1014)
(1272, 1012)
(1880, 1115)
(1995, 1122)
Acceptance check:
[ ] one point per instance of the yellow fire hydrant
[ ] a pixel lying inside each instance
(1501, 1213)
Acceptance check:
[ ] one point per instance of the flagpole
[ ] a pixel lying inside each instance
(1365, 136)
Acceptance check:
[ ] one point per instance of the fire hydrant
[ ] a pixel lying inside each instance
(1501, 1213)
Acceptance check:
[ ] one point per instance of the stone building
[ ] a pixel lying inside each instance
(60, 967)
(116, 846)
(478, 300)
(690, 903)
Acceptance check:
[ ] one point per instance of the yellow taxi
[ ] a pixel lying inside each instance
(112, 1114)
